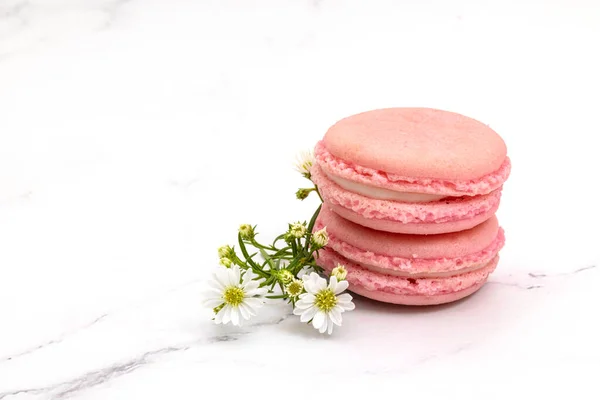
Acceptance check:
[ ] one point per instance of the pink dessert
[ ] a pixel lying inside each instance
(411, 269)
(411, 170)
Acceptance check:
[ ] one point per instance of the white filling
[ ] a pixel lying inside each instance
(384, 194)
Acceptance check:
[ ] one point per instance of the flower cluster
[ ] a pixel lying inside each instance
(285, 269)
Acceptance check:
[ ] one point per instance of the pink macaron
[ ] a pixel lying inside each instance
(411, 269)
(411, 170)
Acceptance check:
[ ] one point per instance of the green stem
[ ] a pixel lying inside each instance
(311, 225)
(255, 267)
(318, 193)
(259, 246)
(267, 259)
(278, 238)
(280, 252)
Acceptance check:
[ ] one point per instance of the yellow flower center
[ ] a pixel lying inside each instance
(233, 296)
(295, 288)
(325, 300)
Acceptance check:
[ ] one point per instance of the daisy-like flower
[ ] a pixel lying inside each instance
(339, 272)
(297, 230)
(246, 231)
(320, 238)
(323, 304)
(295, 288)
(234, 297)
(304, 162)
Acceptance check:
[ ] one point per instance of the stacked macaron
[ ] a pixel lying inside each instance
(409, 201)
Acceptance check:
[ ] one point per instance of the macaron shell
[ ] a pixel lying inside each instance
(369, 283)
(348, 170)
(430, 143)
(448, 245)
(446, 215)
(413, 228)
(409, 300)
(446, 254)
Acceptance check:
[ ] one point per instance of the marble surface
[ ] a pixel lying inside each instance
(136, 135)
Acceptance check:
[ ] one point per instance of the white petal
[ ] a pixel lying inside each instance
(226, 314)
(332, 283)
(243, 311)
(344, 298)
(251, 285)
(248, 310)
(310, 287)
(235, 316)
(234, 275)
(319, 320)
(335, 315)
(219, 316)
(323, 327)
(249, 276)
(212, 303)
(214, 292)
(320, 283)
(309, 314)
(297, 311)
(253, 302)
(222, 276)
(256, 292)
(216, 284)
(329, 327)
(347, 306)
(341, 286)
(306, 298)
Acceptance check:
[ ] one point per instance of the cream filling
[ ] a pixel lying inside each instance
(403, 274)
(383, 194)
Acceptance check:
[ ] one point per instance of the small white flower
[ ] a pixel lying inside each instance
(297, 230)
(304, 162)
(295, 288)
(323, 304)
(320, 238)
(339, 272)
(306, 270)
(232, 300)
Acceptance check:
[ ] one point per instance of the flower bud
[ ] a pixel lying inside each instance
(297, 230)
(284, 276)
(246, 231)
(226, 262)
(339, 272)
(303, 193)
(226, 252)
(320, 238)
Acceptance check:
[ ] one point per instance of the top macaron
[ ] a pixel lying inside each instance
(412, 170)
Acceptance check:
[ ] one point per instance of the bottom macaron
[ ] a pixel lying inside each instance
(406, 290)
(410, 269)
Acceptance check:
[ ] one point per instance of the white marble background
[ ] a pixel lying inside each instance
(136, 135)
